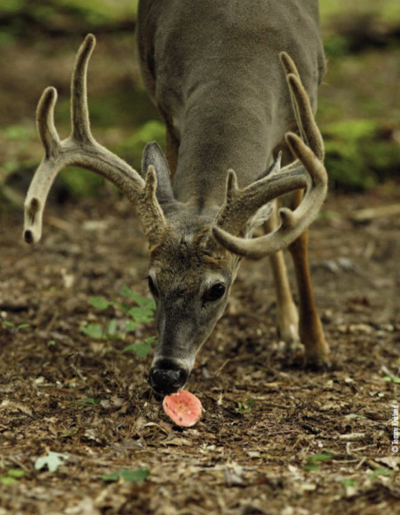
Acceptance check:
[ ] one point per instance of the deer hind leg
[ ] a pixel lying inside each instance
(310, 327)
(287, 318)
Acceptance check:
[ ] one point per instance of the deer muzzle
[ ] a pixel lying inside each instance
(167, 376)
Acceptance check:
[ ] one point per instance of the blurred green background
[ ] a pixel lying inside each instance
(359, 108)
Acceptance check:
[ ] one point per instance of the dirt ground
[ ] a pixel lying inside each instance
(308, 442)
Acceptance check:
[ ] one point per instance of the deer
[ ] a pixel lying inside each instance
(236, 85)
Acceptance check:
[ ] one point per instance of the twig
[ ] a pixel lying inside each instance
(365, 215)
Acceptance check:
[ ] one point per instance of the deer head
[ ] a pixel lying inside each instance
(194, 254)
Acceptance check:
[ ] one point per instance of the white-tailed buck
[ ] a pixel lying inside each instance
(222, 79)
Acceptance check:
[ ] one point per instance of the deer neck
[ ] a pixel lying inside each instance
(221, 130)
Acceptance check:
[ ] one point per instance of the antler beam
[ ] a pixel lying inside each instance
(81, 149)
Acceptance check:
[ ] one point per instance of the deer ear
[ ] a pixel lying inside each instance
(153, 156)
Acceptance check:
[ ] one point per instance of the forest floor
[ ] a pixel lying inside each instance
(274, 439)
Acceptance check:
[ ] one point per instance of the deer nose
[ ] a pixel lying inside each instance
(166, 380)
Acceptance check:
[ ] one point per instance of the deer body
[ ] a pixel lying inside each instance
(216, 70)
(213, 70)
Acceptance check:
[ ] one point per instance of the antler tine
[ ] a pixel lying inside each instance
(302, 108)
(288, 64)
(307, 172)
(45, 173)
(240, 204)
(293, 223)
(79, 106)
(45, 122)
(304, 117)
(81, 149)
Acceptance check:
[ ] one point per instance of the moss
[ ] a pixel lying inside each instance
(384, 11)
(132, 148)
(359, 153)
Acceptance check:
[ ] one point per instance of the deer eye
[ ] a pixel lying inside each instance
(152, 286)
(216, 291)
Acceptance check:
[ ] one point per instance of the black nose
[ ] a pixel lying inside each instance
(166, 380)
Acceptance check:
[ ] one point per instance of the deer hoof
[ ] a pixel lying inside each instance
(318, 361)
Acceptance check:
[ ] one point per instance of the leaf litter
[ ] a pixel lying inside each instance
(273, 435)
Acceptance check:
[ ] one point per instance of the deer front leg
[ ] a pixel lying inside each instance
(310, 327)
(287, 318)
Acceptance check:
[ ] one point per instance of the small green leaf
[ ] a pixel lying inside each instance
(126, 291)
(311, 466)
(68, 433)
(114, 476)
(141, 315)
(123, 307)
(381, 472)
(320, 457)
(349, 482)
(245, 407)
(392, 379)
(7, 481)
(7, 323)
(12, 476)
(140, 349)
(93, 330)
(143, 302)
(22, 326)
(89, 401)
(100, 303)
(52, 461)
(112, 327)
(137, 475)
(16, 473)
(150, 340)
(130, 326)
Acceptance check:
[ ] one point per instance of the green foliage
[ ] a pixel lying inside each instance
(22, 133)
(100, 303)
(102, 11)
(357, 154)
(313, 461)
(140, 349)
(89, 401)
(52, 461)
(132, 148)
(380, 472)
(14, 328)
(66, 15)
(12, 477)
(142, 313)
(138, 475)
(246, 406)
(349, 482)
(384, 12)
(95, 331)
(392, 379)
(336, 45)
(82, 183)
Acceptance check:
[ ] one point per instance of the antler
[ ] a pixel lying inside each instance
(81, 149)
(307, 172)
